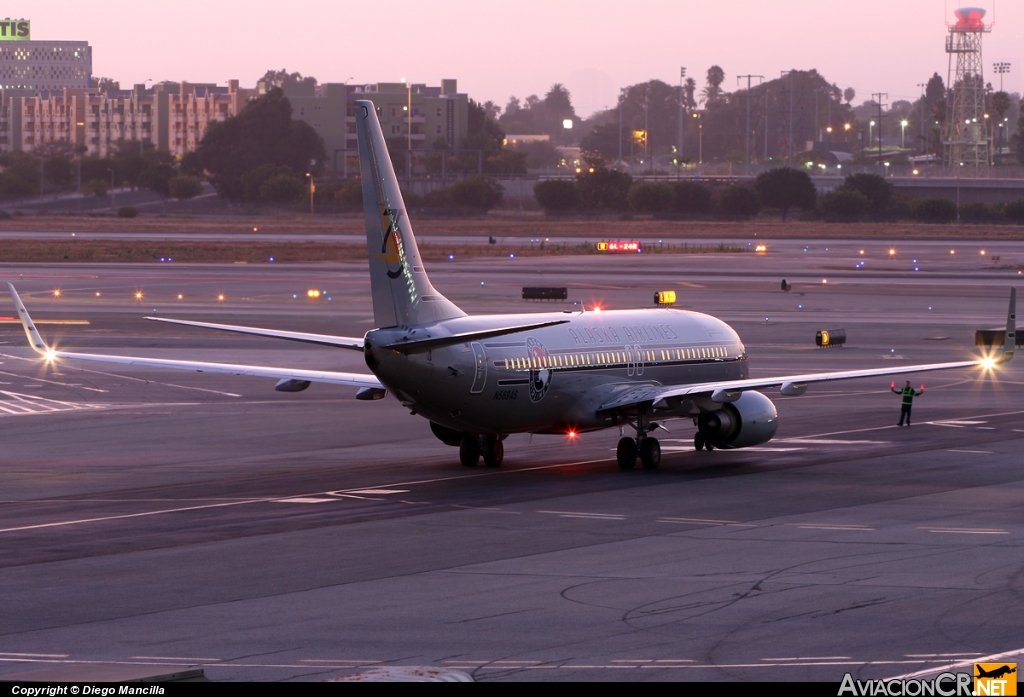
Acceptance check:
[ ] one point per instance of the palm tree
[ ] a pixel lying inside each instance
(716, 76)
(690, 87)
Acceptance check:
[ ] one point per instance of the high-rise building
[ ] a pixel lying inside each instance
(41, 65)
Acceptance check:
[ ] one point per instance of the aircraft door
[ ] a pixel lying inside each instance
(479, 369)
(638, 355)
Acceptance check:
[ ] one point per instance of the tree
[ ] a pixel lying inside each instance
(935, 209)
(873, 187)
(604, 140)
(739, 200)
(556, 195)
(601, 188)
(58, 171)
(1018, 137)
(785, 187)
(264, 133)
(192, 164)
(482, 132)
(1000, 103)
(106, 84)
(182, 186)
(479, 193)
(843, 204)
(651, 197)
(934, 90)
(690, 88)
(282, 188)
(692, 198)
(715, 78)
(280, 78)
(849, 94)
(157, 178)
(508, 163)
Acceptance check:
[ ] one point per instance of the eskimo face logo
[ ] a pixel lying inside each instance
(391, 248)
(540, 377)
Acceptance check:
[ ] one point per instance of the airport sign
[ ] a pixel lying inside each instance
(16, 30)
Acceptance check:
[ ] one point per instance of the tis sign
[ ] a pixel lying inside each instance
(16, 30)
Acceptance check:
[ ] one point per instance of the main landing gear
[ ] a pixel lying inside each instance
(701, 443)
(490, 447)
(648, 448)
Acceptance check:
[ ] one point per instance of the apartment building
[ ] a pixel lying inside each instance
(174, 116)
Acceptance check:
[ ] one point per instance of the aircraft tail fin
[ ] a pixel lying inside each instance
(402, 293)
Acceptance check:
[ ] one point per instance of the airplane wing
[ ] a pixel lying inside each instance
(348, 342)
(791, 385)
(335, 378)
(729, 390)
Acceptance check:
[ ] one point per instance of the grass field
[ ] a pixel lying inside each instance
(528, 225)
(142, 251)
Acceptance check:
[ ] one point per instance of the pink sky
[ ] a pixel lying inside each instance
(521, 48)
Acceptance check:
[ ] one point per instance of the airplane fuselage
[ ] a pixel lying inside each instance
(552, 380)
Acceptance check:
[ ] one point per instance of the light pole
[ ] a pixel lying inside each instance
(312, 188)
(679, 153)
(408, 128)
(111, 186)
(749, 78)
(871, 129)
(1001, 69)
(700, 139)
(903, 134)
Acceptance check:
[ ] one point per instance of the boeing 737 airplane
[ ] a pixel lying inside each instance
(478, 379)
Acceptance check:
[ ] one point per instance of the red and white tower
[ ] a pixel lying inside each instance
(965, 133)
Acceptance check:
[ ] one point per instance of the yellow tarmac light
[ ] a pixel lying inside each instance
(220, 297)
(138, 295)
(313, 293)
(761, 248)
(180, 296)
(56, 292)
(892, 252)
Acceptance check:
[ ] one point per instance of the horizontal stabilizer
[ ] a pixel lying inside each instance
(348, 342)
(429, 344)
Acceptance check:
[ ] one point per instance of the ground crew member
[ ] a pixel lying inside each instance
(908, 393)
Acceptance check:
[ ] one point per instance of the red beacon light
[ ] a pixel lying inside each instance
(969, 19)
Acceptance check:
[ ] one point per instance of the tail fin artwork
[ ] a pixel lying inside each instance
(402, 294)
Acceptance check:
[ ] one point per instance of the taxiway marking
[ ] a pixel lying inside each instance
(53, 382)
(992, 658)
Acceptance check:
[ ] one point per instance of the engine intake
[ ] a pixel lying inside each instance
(750, 420)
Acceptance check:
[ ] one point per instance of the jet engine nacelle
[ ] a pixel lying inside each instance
(750, 420)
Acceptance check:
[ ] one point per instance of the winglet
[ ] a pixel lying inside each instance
(34, 340)
(1011, 328)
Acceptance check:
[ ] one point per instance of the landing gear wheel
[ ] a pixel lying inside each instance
(469, 451)
(650, 453)
(708, 446)
(625, 454)
(493, 451)
(698, 441)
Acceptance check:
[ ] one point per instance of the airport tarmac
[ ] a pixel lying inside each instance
(165, 518)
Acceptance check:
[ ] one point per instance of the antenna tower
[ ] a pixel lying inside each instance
(965, 133)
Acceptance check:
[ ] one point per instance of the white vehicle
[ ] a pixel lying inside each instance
(479, 378)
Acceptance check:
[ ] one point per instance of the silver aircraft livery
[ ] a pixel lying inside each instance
(478, 379)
